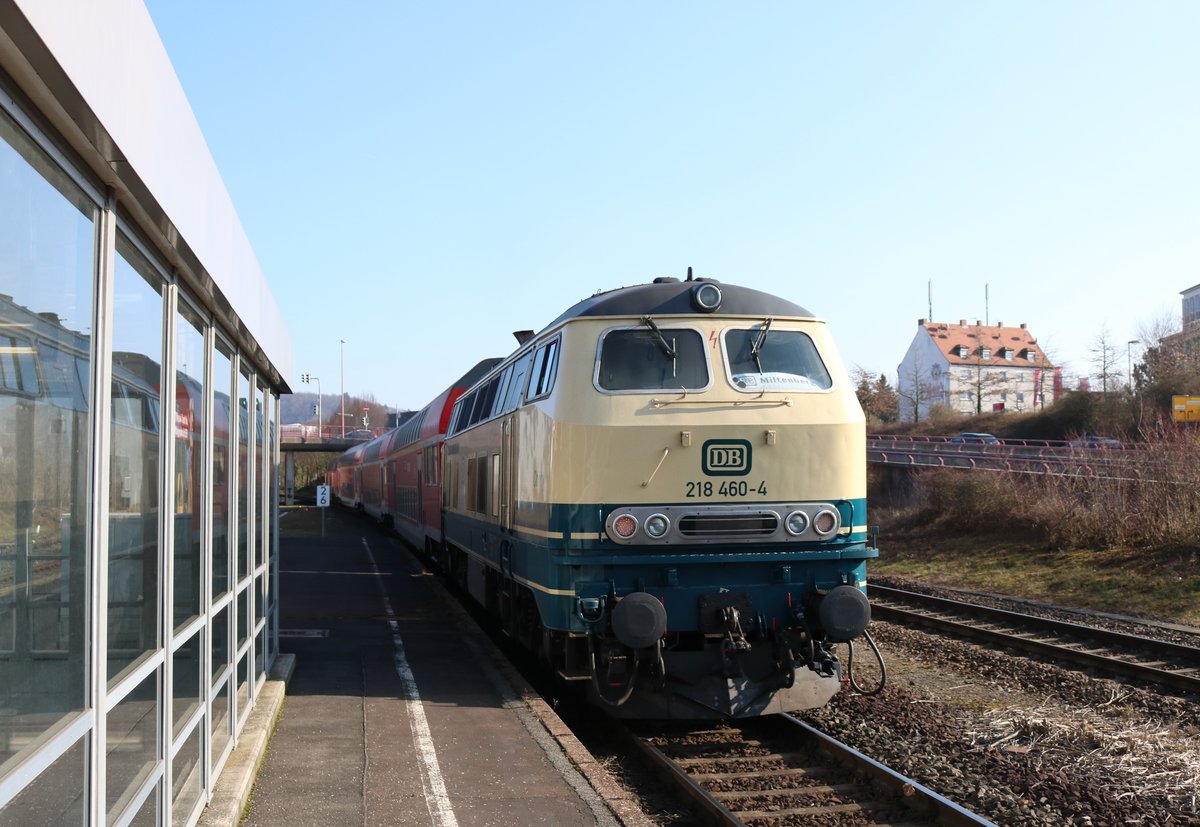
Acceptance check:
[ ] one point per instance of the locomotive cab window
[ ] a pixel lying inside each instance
(652, 358)
(766, 359)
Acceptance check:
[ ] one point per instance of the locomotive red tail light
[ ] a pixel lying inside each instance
(826, 522)
(625, 526)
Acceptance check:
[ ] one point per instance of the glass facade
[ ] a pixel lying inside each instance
(138, 447)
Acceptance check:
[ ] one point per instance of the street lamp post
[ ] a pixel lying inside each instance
(308, 379)
(1129, 360)
(343, 382)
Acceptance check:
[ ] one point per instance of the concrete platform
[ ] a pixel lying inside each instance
(399, 710)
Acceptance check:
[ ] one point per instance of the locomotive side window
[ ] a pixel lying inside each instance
(761, 359)
(18, 367)
(516, 385)
(652, 359)
(545, 366)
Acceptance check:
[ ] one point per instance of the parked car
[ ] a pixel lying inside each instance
(361, 433)
(976, 439)
(1097, 442)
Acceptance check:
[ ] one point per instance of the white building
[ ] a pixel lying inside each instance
(973, 369)
(141, 362)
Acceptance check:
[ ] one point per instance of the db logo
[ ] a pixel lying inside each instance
(726, 458)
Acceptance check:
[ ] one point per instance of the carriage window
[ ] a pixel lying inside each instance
(645, 359)
(761, 359)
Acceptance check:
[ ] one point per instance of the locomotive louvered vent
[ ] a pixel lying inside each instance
(751, 524)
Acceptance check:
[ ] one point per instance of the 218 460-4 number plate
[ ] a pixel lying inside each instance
(724, 488)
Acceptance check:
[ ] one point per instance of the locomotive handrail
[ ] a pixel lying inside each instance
(775, 403)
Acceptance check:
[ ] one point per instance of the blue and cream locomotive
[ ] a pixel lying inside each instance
(664, 494)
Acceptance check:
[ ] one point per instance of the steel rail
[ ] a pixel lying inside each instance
(689, 775)
(968, 617)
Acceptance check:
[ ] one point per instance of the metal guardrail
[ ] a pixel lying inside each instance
(1022, 456)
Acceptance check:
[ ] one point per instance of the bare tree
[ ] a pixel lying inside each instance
(1104, 360)
(916, 392)
(985, 382)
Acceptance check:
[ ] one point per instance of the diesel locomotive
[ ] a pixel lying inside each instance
(662, 493)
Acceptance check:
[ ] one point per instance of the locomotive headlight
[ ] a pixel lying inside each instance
(826, 522)
(706, 297)
(625, 526)
(796, 523)
(657, 525)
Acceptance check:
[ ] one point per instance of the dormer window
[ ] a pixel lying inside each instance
(985, 353)
(961, 351)
(1031, 354)
(1007, 353)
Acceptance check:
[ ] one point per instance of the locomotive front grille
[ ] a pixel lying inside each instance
(711, 526)
(718, 524)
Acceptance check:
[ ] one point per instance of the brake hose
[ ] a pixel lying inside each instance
(850, 667)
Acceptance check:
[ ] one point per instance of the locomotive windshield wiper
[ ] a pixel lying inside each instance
(758, 343)
(662, 341)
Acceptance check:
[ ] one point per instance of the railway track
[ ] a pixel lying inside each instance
(780, 770)
(1162, 663)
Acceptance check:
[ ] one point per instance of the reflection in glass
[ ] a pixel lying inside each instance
(131, 745)
(134, 462)
(57, 796)
(187, 683)
(189, 461)
(220, 722)
(244, 472)
(220, 642)
(221, 549)
(243, 617)
(185, 782)
(243, 685)
(763, 359)
(261, 399)
(47, 238)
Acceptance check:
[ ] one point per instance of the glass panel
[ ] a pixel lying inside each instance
(131, 750)
(261, 400)
(243, 479)
(58, 796)
(260, 654)
(220, 642)
(243, 685)
(243, 617)
(186, 778)
(47, 237)
(189, 461)
(220, 722)
(186, 680)
(133, 558)
(644, 360)
(147, 816)
(762, 359)
(221, 547)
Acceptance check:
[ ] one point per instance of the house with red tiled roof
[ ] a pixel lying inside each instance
(972, 369)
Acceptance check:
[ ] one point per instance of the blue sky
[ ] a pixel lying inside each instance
(421, 179)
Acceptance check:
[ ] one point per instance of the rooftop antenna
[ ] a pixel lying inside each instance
(987, 319)
(689, 278)
(931, 301)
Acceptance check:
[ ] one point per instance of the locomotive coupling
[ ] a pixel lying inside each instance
(844, 613)
(639, 620)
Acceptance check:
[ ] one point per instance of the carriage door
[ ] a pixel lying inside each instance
(420, 503)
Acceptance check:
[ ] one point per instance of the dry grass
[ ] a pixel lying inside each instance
(1115, 545)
